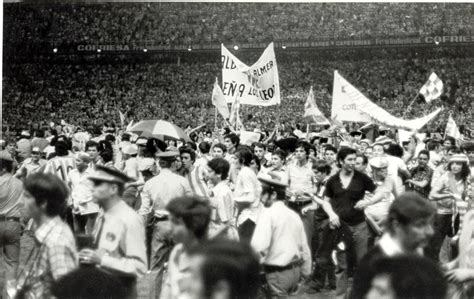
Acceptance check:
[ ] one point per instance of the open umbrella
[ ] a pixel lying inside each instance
(159, 129)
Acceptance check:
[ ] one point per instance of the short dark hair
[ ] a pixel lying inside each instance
(89, 282)
(232, 262)
(331, 148)
(48, 188)
(220, 166)
(234, 139)
(204, 147)
(432, 145)
(245, 157)
(395, 150)
(195, 213)
(280, 153)
(280, 192)
(260, 145)
(6, 164)
(322, 166)
(188, 150)
(424, 152)
(451, 139)
(40, 133)
(412, 276)
(221, 146)
(408, 208)
(344, 152)
(92, 143)
(305, 145)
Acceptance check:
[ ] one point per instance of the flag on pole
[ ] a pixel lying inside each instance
(452, 129)
(311, 112)
(432, 88)
(218, 100)
(122, 119)
(234, 113)
(129, 126)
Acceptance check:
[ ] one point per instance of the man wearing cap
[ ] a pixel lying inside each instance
(119, 234)
(280, 241)
(31, 165)
(11, 190)
(157, 193)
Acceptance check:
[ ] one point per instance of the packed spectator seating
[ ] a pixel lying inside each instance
(93, 92)
(195, 23)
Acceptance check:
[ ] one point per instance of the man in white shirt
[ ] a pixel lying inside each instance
(280, 241)
(84, 208)
(246, 196)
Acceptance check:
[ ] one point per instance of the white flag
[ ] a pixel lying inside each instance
(432, 88)
(122, 119)
(452, 129)
(234, 113)
(254, 85)
(349, 104)
(218, 100)
(311, 112)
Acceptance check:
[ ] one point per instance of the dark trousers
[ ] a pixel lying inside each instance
(443, 227)
(246, 230)
(324, 266)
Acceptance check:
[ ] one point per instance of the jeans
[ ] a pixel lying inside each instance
(443, 226)
(10, 234)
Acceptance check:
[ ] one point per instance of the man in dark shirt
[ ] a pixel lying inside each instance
(421, 175)
(343, 191)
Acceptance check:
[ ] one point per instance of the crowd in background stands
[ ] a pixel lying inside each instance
(93, 93)
(195, 23)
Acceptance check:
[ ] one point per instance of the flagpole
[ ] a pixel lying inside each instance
(411, 104)
(215, 118)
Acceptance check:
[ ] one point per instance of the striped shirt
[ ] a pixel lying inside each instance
(11, 190)
(60, 167)
(197, 182)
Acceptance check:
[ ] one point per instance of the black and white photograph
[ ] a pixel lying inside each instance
(236, 150)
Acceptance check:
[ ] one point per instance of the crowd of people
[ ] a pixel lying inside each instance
(88, 94)
(215, 215)
(196, 23)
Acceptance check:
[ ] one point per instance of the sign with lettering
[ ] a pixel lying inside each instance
(258, 84)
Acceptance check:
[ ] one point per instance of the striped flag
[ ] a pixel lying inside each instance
(311, 112)
(452, 129)
(218, 100)
(432, 88)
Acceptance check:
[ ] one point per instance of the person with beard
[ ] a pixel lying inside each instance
(281, 242)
